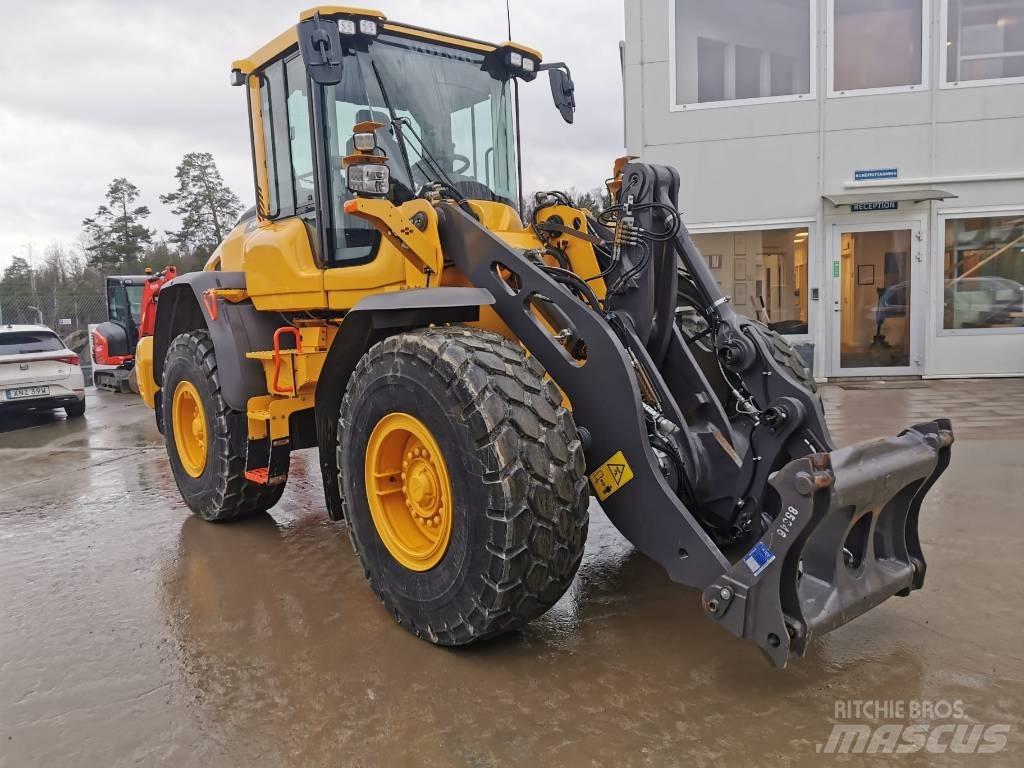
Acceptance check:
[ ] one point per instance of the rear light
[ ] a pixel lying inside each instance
(69, 359)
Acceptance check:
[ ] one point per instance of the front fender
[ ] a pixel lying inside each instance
(234, 328)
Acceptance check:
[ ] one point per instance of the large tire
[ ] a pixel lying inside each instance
(517, 476)
(221, 492)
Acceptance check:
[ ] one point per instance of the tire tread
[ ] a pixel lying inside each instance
(237, 497)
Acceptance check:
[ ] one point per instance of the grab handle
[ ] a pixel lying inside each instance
(278, 390)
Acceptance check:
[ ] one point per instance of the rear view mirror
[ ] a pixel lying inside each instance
(320, 44)
(562, 90)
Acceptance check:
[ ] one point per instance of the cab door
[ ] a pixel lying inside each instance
(281, 256)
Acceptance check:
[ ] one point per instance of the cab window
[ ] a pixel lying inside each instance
(275, 142)
(287, 141)
(124, 303)
(300, 142)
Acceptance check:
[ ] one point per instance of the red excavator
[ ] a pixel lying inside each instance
(131, 313)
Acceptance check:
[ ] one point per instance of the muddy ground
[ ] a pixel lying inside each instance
(133, 634)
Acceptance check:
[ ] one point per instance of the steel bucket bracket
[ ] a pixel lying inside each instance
(845, 540)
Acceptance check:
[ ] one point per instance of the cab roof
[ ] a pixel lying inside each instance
(289, 37)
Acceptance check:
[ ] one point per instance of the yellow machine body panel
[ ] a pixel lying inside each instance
(280, 272)
(283, 275)
(144, 370)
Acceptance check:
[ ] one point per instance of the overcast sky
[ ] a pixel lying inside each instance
(95, 89)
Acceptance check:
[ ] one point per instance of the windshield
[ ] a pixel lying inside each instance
(461, 114)
(25, 342)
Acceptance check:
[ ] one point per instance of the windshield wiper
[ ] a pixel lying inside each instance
(403, 124)
(391, 113)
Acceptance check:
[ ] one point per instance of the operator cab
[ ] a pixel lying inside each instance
(440, 107)
(124, 304)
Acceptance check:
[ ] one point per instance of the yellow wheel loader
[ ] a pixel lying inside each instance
(472, 379)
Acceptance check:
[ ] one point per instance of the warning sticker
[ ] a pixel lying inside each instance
(611, 476)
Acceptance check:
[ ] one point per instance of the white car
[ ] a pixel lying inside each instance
(38, 371)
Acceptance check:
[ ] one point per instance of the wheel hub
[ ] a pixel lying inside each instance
(408, 491)
(188, 422)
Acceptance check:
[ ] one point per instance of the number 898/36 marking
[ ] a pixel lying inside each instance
(786, 522)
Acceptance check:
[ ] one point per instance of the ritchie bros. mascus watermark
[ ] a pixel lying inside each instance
(901, 726)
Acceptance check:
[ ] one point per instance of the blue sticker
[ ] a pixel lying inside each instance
(872, 174)
(759, 558)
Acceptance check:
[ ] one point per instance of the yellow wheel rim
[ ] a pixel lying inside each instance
(189, 424)
(409, 492)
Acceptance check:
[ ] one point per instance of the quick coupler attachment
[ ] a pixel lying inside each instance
(844, 540)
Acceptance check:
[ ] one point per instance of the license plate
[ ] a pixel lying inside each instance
(14, 394)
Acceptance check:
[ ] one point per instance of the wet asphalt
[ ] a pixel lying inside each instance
(134, 634)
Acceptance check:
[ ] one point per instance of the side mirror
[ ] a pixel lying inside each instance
(320, 44)
(562, 91)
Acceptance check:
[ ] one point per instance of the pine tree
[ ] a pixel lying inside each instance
(116, 233)
(204, 203)
(17, 276)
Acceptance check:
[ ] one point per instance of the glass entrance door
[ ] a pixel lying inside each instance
(876, 307)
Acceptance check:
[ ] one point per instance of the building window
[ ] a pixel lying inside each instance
(983, 273)
(732, 50)
(877, 44)
(764, 272)
(984, 40)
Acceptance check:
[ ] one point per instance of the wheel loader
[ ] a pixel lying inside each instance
(472, 378)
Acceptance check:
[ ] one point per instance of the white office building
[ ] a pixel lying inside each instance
(853, 170)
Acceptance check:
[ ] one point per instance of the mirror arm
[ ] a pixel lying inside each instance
(555, 65)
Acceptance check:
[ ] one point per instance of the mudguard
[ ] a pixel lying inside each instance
(372, 319)
(235, 329)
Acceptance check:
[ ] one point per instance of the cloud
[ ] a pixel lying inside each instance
(95, 89)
